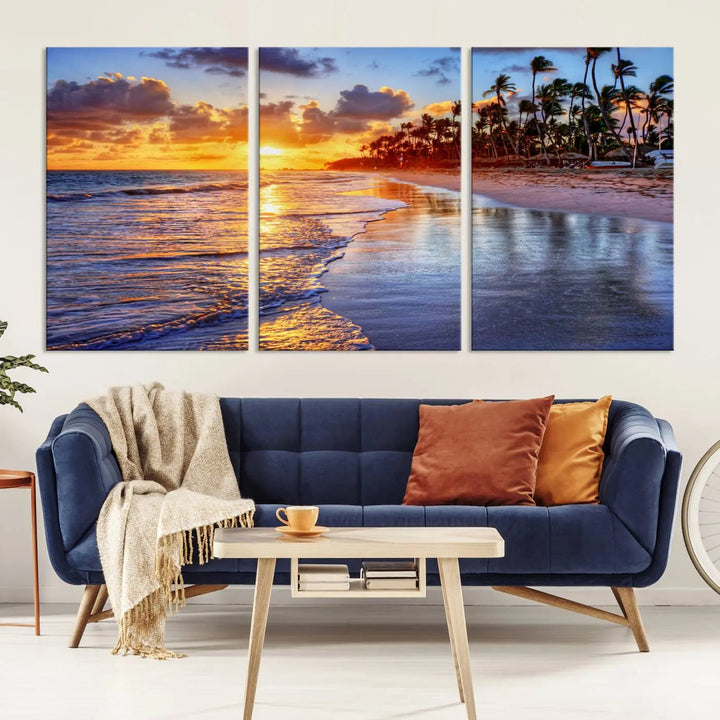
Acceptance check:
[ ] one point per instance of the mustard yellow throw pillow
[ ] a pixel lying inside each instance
(571, 456)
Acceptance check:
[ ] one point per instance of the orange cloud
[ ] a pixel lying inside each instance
(438, 109)
(204, 123)
(358, 113)
(278, 126)
(116, 121)
(477, 104)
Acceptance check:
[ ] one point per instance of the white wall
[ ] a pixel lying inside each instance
(681, 386)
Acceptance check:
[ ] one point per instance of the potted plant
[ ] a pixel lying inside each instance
(8, 386)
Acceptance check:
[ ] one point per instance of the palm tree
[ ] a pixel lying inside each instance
(443, 136)
(502, 85)
(578, 90)
(668, 134)
(631, 99)
(656, 99)
(623, 69)
(594, 54)
(527, 107)
(486, 113)
(608, 101)
(586, 124)
(456, 111)
(550, 99)
(560, 88)
(428, 126)
(540, 64)
(419, 137)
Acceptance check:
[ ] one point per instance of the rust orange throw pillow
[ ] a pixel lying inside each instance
(482, 453)
(571, 457)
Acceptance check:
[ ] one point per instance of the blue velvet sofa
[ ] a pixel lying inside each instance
(352, 458)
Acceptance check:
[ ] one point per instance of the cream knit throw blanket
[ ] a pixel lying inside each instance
(178, 484)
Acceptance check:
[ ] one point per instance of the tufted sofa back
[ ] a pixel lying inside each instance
(323, 451)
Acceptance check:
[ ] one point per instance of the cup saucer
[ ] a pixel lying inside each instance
(312, 532)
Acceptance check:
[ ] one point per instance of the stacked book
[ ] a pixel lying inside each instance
(389, 575)
(321, 578)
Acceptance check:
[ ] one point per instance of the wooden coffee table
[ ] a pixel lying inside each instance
(446, 544)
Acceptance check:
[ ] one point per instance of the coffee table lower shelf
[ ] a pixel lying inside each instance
(357, 589)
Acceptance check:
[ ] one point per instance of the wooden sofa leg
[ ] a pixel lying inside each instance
(100, 601)
(625, 598)
(99, 613)
(561, 602)
(86, 605)
(628, 604)
(95, 598)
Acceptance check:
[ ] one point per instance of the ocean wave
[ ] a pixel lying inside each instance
(152, 190)
(179, 256)
(271, 300)
(307, 240)
(119, 340)
(382, 208)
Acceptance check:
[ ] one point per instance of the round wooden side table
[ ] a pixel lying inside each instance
(23, 479)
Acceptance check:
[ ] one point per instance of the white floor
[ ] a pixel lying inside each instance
(385, 662)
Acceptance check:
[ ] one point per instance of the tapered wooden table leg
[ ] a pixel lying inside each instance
(451, 633)
(86, 606)
(452, 592)
(36, 585)
(261, 605)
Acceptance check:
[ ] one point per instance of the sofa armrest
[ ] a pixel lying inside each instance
(633, 471)
(48, 496)
(668, 501)
(85, 469)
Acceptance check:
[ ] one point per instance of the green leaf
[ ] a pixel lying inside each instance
(8, 387)
(22, 388)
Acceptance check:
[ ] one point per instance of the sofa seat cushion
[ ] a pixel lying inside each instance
(86, 557)
(566, 539)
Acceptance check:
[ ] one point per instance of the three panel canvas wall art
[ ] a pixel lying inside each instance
(147, 242)
(359, 198)
(572, 199)
(354, 254)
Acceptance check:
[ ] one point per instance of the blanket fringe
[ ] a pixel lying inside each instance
(169, 573)
(145, 617)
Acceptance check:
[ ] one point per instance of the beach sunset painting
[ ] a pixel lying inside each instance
(358, 251)
(147, 198)
(572, 198)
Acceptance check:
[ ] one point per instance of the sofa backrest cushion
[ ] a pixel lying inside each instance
(480, 453)
(323, 451)
(571, 458)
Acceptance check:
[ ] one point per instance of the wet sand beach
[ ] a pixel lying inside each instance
(400, 279)
(569, 259)
(643, 193)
